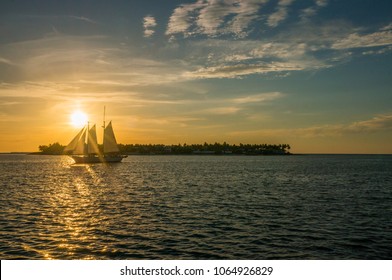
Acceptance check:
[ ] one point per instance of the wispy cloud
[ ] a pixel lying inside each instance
(378, 51)
(149, 24)
(84, 61)
(84, 19)
(312, 10)
(234, 105)
(383, 37)
(6, 61)
(234, 71)
(300, 48)
(282, 50)
(280, 14)
(376, 124)
(96, 60)
(100, 61)
(220, 110)
(240, 58)
(257, 98)
(380, 122)
(245, 15)
(214, 18)
(182, 17)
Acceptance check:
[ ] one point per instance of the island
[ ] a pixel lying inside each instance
(185, 149)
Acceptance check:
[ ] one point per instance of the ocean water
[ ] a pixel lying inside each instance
(197, 207)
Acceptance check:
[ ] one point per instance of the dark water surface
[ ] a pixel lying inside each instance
(197, 207)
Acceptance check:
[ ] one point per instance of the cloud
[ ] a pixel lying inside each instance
(85, 62)
(279, 50)
(257, 98)
(312, 10)
(6, 61)
(102, 62)
(379, 51)
(235, 59)
(231, 106)
(85, 19)
(235, 105)
(376, 124)
(235, 71)
(280, 14)
(383, 37)
(380, 122)
(246, 14)
(321, 3)
(181, 19)
(300, 48)
(221, 110)
(149, 23)
(213, 17)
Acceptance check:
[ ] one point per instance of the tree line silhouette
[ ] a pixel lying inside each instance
(186, 149)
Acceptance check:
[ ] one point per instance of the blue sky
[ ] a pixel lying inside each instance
(315, 74)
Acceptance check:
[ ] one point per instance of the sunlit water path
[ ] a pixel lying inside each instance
(197, 207)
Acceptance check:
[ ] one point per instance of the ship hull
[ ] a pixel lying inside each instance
(97, 159)
(118, 158)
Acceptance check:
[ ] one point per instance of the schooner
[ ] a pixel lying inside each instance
(84, 147)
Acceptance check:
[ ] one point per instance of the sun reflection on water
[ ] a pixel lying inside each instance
(73, 214)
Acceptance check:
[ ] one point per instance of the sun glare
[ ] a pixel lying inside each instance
(78, 119)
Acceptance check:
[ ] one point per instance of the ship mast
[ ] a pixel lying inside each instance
(103, 139)
(88, 136)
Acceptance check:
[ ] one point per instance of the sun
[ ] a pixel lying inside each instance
(78, 119)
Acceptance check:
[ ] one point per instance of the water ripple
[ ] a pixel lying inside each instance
(196, 207)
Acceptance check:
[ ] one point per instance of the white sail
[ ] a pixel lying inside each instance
(83, 152)
(80, 148)
(92, 143)
(74, 143)
(109, 140)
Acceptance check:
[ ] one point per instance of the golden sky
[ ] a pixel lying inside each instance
(313, 74)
